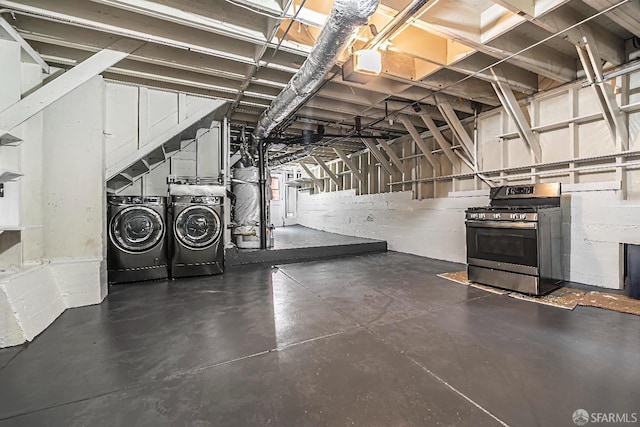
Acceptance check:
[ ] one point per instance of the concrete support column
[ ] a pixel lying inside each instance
(74, 201)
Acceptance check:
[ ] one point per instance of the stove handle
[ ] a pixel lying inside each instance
(502, 224)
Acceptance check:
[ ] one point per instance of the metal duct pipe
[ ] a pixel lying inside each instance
(345, 18)
(262, 184)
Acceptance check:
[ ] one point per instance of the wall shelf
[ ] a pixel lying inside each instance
(7, 139)
(10, 229)
(299, 182)
(18, 228)
(7, 175)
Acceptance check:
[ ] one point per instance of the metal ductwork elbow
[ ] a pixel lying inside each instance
(346, 17)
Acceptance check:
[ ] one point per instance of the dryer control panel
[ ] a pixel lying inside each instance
(206, 200)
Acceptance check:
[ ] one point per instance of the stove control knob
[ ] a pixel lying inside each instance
(496, 216)
(481, 216)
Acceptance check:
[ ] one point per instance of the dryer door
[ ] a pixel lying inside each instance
(136, 229)
(198, 227)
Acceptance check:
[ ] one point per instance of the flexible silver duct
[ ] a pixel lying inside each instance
(345, 18)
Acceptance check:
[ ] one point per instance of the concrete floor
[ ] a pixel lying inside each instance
(296, 243)
(298, 236)
(373, 340)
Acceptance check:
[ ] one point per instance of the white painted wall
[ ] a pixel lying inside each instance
(74, 185)
(431, 228)
(598, 216)
(209, 152)
(595, 224)
(184, 163)
(57, 261)
(31, 184)
(135, 116)
(10, 76)
(277, 207)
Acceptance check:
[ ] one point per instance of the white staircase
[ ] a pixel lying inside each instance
(125, 172)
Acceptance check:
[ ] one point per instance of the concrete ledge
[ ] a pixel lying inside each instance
(235, 257)
(32, 298)
(72, 278)
(592, 186)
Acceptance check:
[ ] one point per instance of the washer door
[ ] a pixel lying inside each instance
(198, 227)
(136, 229)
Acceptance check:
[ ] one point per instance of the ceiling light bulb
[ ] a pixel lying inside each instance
(367, 61)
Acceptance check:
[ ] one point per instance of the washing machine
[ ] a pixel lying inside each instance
(197, 247)
(137, 248)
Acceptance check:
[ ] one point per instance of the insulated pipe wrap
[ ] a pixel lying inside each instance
(346, 17)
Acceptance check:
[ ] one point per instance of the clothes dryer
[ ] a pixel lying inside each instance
(197, 246)
(137, 247)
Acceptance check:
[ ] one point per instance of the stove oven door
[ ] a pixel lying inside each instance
(503, 245)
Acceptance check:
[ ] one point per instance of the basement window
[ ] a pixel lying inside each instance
(275, 189)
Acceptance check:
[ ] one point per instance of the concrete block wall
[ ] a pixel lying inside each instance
(601, 207)
(431, 228)
(595, 225)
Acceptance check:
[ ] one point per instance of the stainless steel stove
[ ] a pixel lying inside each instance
(516, 242)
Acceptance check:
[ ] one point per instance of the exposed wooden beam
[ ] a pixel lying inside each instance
(626, 15)
(523, 7)
(211, 16)
(440, 139)
(473, 88)
(342, 107)
(613, 116)
(518, 78)
(350, 164)
(416, 93)
(318, 182)
(56, 89)
(622, 134)
(12, 34)
(45, 35)
(131, 25)
(512, 107)
(610, 46)
(456, 127)
(426, 151)
(373, 149)
(362, 95)
(541, 59)
(392, 154)
(329, 172)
